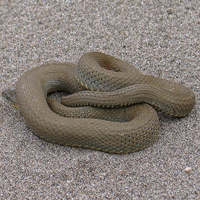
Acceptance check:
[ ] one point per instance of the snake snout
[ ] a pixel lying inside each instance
(10, 96)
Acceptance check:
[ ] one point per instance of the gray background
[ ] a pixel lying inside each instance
(159, 38)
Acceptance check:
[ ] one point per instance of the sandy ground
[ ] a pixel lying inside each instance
(159, 38)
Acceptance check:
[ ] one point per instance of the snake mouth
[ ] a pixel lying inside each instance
(10, 96)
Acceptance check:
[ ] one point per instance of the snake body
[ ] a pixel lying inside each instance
(117, 84)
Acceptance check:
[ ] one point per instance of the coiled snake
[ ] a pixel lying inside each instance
(123, 120)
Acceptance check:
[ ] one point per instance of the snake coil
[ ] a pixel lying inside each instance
(124, 119)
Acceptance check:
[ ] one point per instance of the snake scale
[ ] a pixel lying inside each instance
(122, 118)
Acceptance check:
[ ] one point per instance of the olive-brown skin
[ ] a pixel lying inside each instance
(130, 128)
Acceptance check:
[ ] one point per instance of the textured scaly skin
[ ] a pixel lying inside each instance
(108, 136)
(122, 84)
(137, 126)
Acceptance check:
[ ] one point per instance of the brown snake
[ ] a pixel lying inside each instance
(119, 127)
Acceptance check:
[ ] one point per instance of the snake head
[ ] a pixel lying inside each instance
(10, 96)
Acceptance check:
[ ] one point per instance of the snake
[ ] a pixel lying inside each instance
(111, 106)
